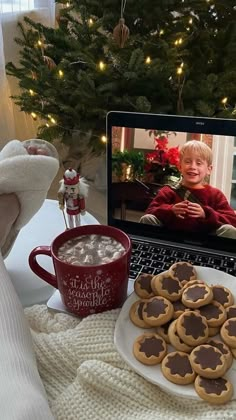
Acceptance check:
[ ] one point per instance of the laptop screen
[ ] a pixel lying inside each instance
(151, 171)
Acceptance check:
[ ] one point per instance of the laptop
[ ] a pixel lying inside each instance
(155, 248)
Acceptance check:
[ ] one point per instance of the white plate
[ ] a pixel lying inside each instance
(126, 332)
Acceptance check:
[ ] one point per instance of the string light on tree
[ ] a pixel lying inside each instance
(33, 115)
(148, 60)
(103, 139)
(31, 92)
(179, 70)
(178, 41)
(161, 32)
(102, 65)
(90, 22)
(60, 74)
(224, 100)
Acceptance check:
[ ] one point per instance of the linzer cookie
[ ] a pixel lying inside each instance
(166, 286)
(183, 271)
(208, 361)
(215, 391)
(157, 311)
(222, 295)
(136, 314)
(228, 332)
(142, 286)
(231, 311)
(176, 368)
(225, 350)
(197, 295)
(214, 313)
(192, 328)
(149, 348)
(175, 340)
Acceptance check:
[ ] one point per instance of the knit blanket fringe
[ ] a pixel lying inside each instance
(86, 378)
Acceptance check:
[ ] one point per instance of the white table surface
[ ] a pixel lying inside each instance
(47, 223)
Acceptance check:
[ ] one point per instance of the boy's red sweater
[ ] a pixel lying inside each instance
(216, 207)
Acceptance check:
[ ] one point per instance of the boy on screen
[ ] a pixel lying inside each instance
(194, 205)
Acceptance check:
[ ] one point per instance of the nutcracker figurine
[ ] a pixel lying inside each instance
(72, 193)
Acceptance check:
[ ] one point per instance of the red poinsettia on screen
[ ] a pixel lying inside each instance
(164, 160)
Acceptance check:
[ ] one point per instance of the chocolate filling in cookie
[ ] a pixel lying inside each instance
(210, 311)
(194, 326)
(220, 346)
(220, 295)
(155, 308)
(183, 271)
(171, 285)
(208, 357)
(179, 306)
(144, 281)
(231, 327)
(179, 365)
(213, 386)
(152, 346)
(195, 293)
(231, 313)
(140, 310)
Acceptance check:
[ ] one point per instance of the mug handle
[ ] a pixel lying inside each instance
(37, 269)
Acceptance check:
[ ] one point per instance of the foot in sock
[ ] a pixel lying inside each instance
(22, 188)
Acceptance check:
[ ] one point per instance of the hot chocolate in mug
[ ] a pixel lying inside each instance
(87, 289)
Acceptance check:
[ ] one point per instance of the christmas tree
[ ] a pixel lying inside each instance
(168, 56)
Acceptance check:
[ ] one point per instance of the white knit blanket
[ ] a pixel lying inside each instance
(85, 377)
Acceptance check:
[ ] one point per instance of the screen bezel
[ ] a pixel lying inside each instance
(176, 123)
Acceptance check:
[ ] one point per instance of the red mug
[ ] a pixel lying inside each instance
(87, 289)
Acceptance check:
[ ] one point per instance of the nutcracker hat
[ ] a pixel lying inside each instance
(71, 177)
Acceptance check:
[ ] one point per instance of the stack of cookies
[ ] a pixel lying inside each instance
(187, 314)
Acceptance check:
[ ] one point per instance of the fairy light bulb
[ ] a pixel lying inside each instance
(67, 4)
(182, 64)
(179, 71)
(148, 60)
(31, 92)
(60, 73)
(33, 115)
(190, 21)
(179, 41)
(47, 125)
(161, 32)
(90, 21)
(101, 65)
(103, 139)
(224, 100)
(40, 43)
(53, 121)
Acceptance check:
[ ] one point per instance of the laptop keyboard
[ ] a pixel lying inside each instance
(154, 258)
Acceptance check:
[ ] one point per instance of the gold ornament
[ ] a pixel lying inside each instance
(121, 33)
(50, 63)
